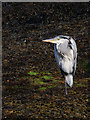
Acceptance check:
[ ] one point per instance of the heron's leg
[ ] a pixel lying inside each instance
(65, 87)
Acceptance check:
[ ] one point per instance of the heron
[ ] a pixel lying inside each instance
(66, 57)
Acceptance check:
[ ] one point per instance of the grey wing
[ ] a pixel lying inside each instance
(74, 55)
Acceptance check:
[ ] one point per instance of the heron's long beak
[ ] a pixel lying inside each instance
(53, 40)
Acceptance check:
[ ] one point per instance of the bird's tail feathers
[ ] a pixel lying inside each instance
(69, 80)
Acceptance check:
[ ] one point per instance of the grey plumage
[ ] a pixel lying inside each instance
(66, 56)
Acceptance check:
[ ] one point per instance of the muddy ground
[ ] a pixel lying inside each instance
(33, 87)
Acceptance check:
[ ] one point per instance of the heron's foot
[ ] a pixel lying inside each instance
(65, 92)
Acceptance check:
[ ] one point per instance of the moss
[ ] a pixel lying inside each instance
(43, 88)
(47, 77)
(33, 73)
(38, 81)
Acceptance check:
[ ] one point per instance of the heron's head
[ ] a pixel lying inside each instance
(58, 39)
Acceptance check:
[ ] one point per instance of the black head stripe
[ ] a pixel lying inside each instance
(64, 37)
(70, 44)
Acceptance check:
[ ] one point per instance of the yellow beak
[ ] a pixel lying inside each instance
(53, 40)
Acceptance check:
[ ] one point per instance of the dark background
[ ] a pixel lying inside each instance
(24, 26)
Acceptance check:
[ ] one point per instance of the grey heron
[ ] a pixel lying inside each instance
(66, 57)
